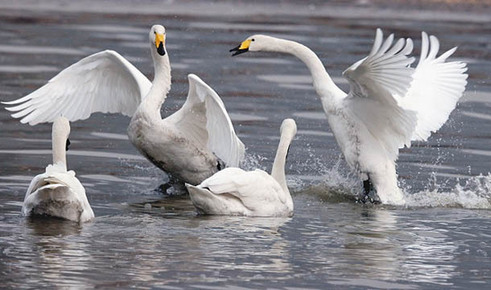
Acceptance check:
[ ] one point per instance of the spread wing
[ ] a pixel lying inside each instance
(204, 119)
(102, 82)
(375, 84)
(436, 87)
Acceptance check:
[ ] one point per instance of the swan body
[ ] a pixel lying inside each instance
(389, 103)
(57, 192)
(191, 144)
(234, 191)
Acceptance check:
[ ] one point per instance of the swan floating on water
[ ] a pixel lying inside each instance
(234, 191)
(57, 192)
(191, 144)
(389, 103)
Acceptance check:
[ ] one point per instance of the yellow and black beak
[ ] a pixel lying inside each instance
(241, 48)
(159, 43)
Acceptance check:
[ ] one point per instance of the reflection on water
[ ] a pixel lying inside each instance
(49, 256)
(77, 153)
(141, 238)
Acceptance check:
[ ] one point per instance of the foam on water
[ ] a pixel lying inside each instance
(473, 193)
(335, 184)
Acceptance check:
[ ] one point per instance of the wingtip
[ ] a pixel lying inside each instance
(10, 109)
(14, 102)
(377, 42)
(193, 76)
(408, 48)
(110, 51)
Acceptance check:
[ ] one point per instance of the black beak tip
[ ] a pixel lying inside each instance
(238, 51)
(67, 144)
(234, 49)
(161, 50)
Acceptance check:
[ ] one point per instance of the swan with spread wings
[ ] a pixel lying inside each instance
(389, 103)
(192, 144)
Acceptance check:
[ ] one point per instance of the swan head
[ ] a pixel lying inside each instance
(157, 39)
(288, 128)
(256, 42)
(61, 130)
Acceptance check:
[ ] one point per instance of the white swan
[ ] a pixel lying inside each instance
(234, 191)
(191, 144)
(389, 103)
(57, 192)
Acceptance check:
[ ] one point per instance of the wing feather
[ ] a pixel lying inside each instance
(102, 82)
(251, 187)
(204, 119)
(375, 83)
(436, 88)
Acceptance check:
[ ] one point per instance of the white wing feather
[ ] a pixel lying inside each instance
(204, 119)
(383, 73)
(375, 83)
(254, 188)
(436, 87)
(102, 82)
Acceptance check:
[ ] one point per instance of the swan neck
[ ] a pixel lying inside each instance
(323, 84)
(59, 148)
(278, 171)
(152, 102)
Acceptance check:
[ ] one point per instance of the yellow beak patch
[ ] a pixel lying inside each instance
(159, 38)
(245, 44)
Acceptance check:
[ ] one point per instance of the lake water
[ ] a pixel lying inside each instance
(142, 238)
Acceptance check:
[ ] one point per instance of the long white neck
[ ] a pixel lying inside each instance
(59, 139)
(278, 171)
(152, 102)
(323, 84)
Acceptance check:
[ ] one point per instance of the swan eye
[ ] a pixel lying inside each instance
(155, 32)
(252, 39)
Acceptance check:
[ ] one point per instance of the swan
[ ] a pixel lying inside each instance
(234, 191)
(57, 192)
(389, 103)
(191, 144)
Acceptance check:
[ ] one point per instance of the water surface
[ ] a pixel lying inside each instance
(142, 238)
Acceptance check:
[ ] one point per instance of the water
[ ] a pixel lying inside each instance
(141, 238)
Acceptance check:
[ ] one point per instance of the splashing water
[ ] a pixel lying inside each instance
(253, 161)
(337, 185)
(475, 193)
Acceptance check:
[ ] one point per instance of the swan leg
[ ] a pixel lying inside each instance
(367, 187)
(385, 185)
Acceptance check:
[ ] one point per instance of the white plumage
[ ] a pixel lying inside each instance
(234, 191)
(389, 104)
(57, 192)
(192, 144)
